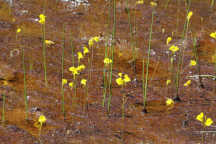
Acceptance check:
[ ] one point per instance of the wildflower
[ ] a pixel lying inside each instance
(42, 119)
(213, 35)
(192, 63)
(74, 71)
(85, 50)
(140, 2)
(92, 40)
(168, 82)
(187, 83)
(189, 15)
(18, 30)
(71, 84)
(200, 117)
(49, 42)
(205, 121)
(83, 82)
(96, 38)
(153, 4)
(42, 19)
(64, 81)
(81, 67)
(80, 55)
(107, 61)
(168, 40)
(174, 48)
(169, 102)
(122, 80)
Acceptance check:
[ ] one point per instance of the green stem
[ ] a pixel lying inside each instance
(25, 86)
(62, 70)
(147, 63)
(3, 108)
(44, 55)
(112, 52)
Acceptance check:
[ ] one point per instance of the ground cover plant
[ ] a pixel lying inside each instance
(115, 71)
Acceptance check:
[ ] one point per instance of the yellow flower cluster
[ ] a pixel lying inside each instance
(153, 4)
(76, 70)
(205, 121)
(92, 40)
(122, 79)
(107, 61)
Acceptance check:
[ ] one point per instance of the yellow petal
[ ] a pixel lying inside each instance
(192, 63)
(119, 81)
(168, 40)
(208, 122)
(169, 102)
(189, 15)
(64, 81)
(200, 117)
(168, 82)
(42, 119)
(83, 82)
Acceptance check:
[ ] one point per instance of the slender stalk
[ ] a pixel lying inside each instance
(44, 55)
(147, 63)
(112, 53)
(62, 71)
(25, 86)
(212, 3)
(72, 47)
(3, 109)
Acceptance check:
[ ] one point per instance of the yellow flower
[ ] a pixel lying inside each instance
(174, 48)
(119, 81)
(169, 102)
(205, 121)
(81, 67)
(122, 80)
(42, 119)
(85, 50)
(64, 81)
(187, 83)
(126, 78)
(92, 40)
(107, 61)
(80, 55)
(140, 2)
(152, 3)
(200, 117)
(96, 38)
(192, 63)
(168, 40)
(208, 122)
(42, 19)
(18, 30)
(74, 71)
(83, 82)
(213, 35)
(189, 15)
(168, 82)
(49, 42)
(71, 84)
